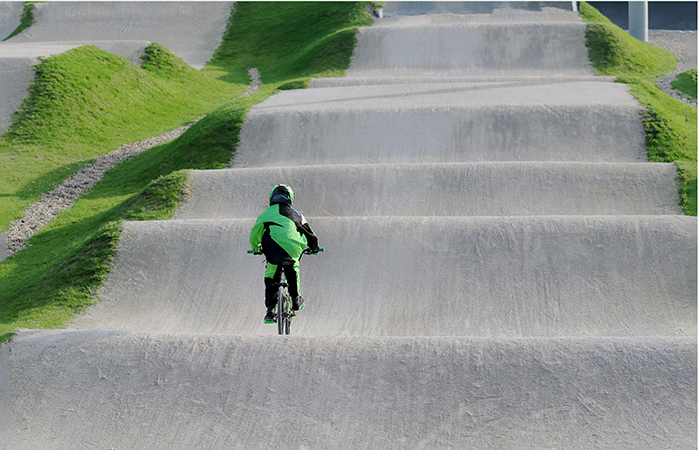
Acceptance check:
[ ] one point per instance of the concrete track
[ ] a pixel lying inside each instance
(10, 16)
(497, 121)
(122, 28)
(197, 35)
(504, 269)
(416, 276)
(244, 392)
(442, 189)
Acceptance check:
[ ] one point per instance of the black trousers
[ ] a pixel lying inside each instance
(270, 291)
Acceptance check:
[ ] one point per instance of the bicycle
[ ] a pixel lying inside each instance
(284, 311)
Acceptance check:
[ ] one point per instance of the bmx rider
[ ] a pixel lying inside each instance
(282, 233)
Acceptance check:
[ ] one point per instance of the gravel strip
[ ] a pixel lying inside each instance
(67, 193)
(255, 82)
(675, 42)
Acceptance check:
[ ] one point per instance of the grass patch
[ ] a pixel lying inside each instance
(670, 124)
(295, 84)
(687, 83)
(25, 21)
(287, 40)
(87, 102)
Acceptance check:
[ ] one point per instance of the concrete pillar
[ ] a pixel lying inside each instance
(3, 246)
(637, 20)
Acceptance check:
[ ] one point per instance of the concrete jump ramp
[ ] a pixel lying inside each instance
(475, 40)
(448, 189)
(472, 330)
(552, 121)
(487, 11)
(198, 32)
(523, 276)
(347, 392)
(122, 28)
(10, 16)
(425, 79)
(472, 49)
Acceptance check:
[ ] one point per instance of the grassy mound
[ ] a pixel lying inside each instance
(307, 39)
(687, 82)
(670, 124)
(87, 102)
(57, 276)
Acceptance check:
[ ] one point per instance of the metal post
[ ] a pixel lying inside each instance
(574, 6)
(637, 20)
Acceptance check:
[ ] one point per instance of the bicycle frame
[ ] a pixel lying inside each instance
(284, 311)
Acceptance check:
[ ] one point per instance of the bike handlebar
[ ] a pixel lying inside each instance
(306, 251)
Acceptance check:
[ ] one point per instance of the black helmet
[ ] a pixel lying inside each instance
(281, 194)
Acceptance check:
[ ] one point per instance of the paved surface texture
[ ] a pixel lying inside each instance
(445, 189)
(122, 28)
(10, 14)
(503, 269)
(455, 276)
(198, 32)
(196, 391)
(522, 121)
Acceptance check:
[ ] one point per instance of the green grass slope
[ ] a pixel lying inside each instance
(87, 102)
(687, 82)
(287, 40)
(670, 124)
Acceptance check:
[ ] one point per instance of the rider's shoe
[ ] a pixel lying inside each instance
(298, 303)
(269, 318)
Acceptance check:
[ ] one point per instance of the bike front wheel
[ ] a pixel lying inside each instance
(280, 310)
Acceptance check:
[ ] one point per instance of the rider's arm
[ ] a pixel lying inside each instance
(256, 236)
(304, 229)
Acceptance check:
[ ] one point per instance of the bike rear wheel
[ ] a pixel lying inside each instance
(289, 314)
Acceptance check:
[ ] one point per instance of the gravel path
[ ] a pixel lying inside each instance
(675, 42)
(67, 193)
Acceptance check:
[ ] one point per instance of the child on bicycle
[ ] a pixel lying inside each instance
(282, 233)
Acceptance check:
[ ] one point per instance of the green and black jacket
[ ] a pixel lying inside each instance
(283, 234)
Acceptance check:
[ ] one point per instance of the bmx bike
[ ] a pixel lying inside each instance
(284, 310)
